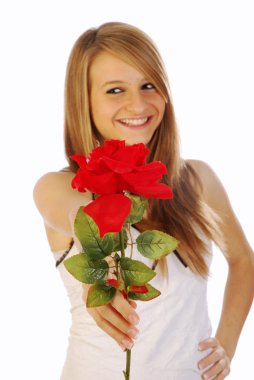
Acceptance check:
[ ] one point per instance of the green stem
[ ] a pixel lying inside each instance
(128, 365)
(128, 352)
(121, 238)
(132, 243)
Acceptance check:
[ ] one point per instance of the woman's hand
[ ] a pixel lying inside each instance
(216, 364)
(117, 319)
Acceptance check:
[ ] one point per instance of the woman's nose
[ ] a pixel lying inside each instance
(136, 103)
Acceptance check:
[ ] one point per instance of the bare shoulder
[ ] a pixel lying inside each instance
(51, 179)
(57, 201)
(51, 186)
(213, 190)
(48, 181)
(203, 170)
(236, 245)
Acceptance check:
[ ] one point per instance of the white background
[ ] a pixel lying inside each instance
(208, 50)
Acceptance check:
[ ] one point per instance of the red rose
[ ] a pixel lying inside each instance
(115, 167)
(111, 170)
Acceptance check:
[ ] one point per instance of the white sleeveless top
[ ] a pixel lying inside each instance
(170, 328)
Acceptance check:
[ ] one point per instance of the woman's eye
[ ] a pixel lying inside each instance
(115, 90)
(148, 86)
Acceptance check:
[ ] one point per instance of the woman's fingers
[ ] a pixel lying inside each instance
(216, 364)
(117, 319)
(111, 315)
(110, 321)
(133, 304)
(208, 343)
(125, 309)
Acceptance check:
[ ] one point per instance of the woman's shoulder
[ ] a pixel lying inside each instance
(213, 190)
(49, 181)
(60, 175)
(55, 198)
(199, 166)
(200, 174)
(204, 171)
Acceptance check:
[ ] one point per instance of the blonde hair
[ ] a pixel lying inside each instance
(187, 213)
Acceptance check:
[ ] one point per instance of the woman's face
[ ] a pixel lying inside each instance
(124, 104)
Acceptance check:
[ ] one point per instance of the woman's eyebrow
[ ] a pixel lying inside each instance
(112, 82)
(118, 81)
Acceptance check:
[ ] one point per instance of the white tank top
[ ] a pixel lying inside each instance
(170, 328)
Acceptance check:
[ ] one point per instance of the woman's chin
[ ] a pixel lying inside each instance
(130, 140)
(136, 140)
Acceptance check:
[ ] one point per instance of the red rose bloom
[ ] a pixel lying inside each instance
(113, 169)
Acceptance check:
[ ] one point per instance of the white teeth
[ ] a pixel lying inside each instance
(134, 121)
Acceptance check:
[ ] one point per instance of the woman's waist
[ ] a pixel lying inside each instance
(174, 347)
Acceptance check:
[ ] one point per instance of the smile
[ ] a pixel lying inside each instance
(134, 122)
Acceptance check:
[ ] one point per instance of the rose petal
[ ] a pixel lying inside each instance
(157, 190)
(109, 212)
(78, 182)
(140, 289)
(142, 178)
(113, 282)
(106, 183)
(107, 150)
(107, 163)
(80, 159)
(155, 166)
(135, 155)
(124, 294)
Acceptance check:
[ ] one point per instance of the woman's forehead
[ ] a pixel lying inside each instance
(108, 69)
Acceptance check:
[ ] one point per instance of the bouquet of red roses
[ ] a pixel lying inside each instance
(122, 182)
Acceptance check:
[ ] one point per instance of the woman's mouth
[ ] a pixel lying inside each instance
(135, 122)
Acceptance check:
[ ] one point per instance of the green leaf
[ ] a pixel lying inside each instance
(152, 293)
(85, 269)
(116, 240)
(138, 207)
(100, 294)
(87, 233)
(135, 272)
(156, 244)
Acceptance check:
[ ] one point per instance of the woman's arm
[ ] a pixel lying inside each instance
(239, 288)
(58, 204)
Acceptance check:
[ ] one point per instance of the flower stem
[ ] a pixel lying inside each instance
(121, 238)
(128, 365)
(128, 352)
(132, 243)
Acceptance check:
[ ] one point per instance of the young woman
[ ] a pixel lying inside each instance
(117, 88)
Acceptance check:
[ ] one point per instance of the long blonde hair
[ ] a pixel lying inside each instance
(187, 215)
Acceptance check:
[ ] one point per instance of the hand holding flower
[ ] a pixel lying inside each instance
(118, 319)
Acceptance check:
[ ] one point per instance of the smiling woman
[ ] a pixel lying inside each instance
(131, 108)
(117, 88)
